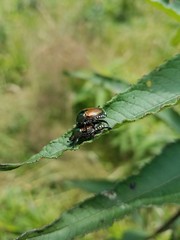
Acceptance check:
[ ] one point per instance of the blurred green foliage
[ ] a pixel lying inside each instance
(38, 41)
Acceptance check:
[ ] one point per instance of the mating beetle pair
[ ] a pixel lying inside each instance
(89, 122)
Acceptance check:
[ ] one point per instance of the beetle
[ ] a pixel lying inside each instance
(90, 116)
(87, 132)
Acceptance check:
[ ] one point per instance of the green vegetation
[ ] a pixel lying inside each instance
(89, 40)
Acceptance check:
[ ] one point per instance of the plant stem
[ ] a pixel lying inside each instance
(166, 225)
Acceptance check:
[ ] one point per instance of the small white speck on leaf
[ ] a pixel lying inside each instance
(109, 194)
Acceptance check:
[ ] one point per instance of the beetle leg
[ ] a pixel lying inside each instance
(103, 121)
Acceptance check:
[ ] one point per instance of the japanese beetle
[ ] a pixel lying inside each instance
(86, 133)
(90, 116)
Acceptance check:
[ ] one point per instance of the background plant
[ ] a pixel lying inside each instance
(36, 110)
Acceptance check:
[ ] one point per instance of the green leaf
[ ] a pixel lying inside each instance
(134, 235)
(172, 8)
(171, 117)
(115, 85)
(53, 150)
(90, 185)
(175, 41)
(158, 183)
(155, 91)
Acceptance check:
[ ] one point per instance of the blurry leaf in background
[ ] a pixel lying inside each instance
(171, 117)
(172, 7)
(115, 85)
(121, 11)
(90, 185)
(97, 88)
(175, 41)
(134, 235)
